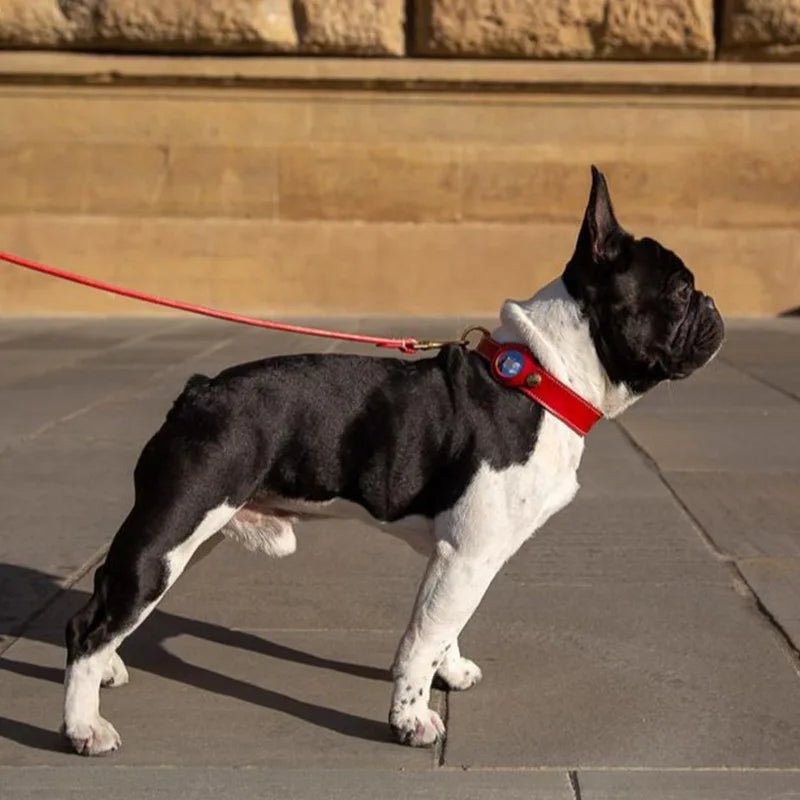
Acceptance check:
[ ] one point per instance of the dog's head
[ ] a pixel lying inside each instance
(647, 321)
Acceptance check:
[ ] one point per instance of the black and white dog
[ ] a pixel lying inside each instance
(465, 468)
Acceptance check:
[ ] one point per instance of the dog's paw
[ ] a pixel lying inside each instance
(459, 674)
(115, 673)
(94, 738)
(416, 728)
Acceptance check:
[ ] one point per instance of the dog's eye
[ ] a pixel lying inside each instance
(682, 290)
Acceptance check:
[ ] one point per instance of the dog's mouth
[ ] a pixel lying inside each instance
(698, 336)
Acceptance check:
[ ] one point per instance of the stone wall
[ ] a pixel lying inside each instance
(543, 29)
(284, 186)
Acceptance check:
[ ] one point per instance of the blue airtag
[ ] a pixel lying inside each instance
(510, 364)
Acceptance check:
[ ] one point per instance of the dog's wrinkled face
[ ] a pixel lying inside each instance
(647, 320)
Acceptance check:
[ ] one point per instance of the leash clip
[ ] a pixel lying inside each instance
(463, 340)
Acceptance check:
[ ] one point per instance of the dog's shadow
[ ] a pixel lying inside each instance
(145, 651)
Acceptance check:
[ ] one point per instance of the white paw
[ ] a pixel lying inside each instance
(116, 673)
(419, 728)
(94, 738)
(460, 674)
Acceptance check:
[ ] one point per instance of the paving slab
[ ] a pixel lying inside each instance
(610, 467)
(71, 337)
(769, 352)
(125, 423)
(759, 439)
(280, 700)
(646, 539)
(746, 514)
(60, 506)
(672, 676)
(58, 502)
(615, 640)
(26, 412)
(329, 584)
(19, 364)
(762, 341)
(690, 785)
(786, 377)
(66, 491)
(112, 783)
(12, 328)
(776, 581)
(315, 695)
(718, 388)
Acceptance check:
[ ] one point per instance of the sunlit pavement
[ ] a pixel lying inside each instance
(642, 645)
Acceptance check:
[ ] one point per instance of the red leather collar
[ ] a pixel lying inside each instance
(515, 366)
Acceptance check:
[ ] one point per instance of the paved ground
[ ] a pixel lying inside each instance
(643, 645)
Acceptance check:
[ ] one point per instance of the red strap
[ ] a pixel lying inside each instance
(533, 380)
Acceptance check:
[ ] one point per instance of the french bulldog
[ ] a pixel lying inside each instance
(435, 450)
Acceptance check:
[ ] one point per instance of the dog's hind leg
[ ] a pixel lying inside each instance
(116, 673)
(146, 557)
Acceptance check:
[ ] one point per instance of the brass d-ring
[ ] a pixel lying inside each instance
(471, 329)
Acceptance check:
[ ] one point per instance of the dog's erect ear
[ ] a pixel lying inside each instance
(601, 235)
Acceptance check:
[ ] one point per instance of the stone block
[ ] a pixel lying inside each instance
(761, 29)
(229, 25)
(776, 581)
(348, 267)
(356, 26)
(746, 350)
(33, 23)
(366, 27)
(717, 384)
(763, 189)
(182, 25)
(210, 783)
(516, 184)
(750, 440)
(314, 697)
(746, 514)
(567, 28)
(653, 675)
(392, 182)
(139, 179)
(658, 29)
(721, 784)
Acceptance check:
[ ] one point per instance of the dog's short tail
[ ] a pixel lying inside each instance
(195, 382)
(190, 390)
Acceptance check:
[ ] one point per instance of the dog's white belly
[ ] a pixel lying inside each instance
(264, 530)
(415, 530)
(266, 523)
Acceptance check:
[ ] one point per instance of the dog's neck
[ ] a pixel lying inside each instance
(552, 326)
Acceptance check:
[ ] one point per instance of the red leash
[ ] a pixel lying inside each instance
(512, 365)
(405, 345)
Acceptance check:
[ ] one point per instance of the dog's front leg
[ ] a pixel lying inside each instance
(458, 574)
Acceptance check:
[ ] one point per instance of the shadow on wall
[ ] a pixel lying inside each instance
(145, 651)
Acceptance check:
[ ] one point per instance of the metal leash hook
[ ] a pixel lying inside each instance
(463, 340)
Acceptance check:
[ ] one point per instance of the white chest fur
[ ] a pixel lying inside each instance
(513, 502)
